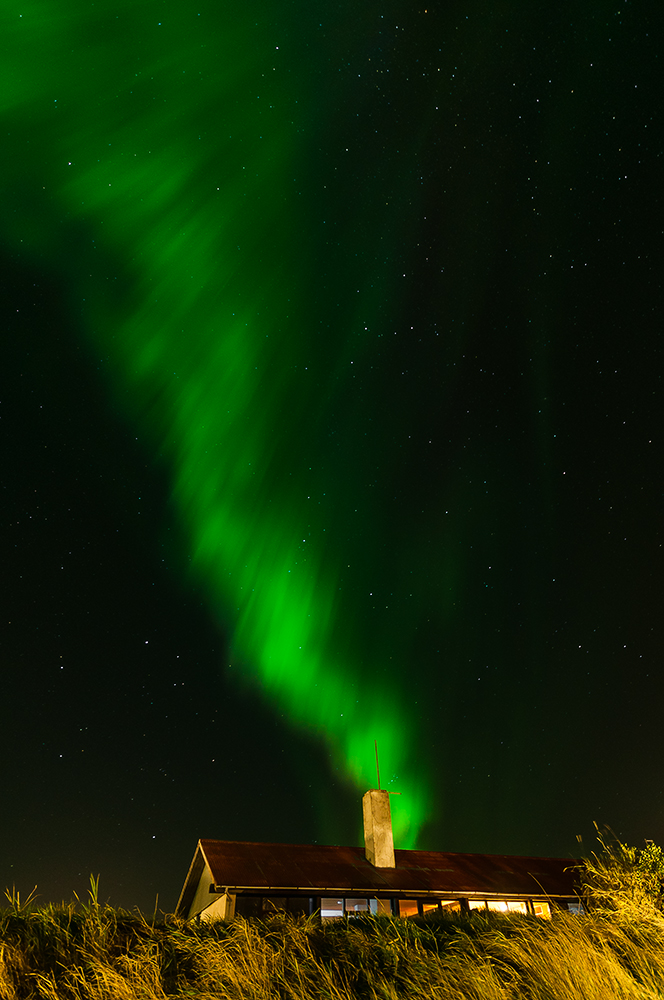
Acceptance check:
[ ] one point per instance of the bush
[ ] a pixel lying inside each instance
(623, 881)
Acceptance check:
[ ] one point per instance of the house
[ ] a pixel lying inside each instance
(229, 877)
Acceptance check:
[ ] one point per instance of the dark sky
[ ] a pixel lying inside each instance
(372, 299)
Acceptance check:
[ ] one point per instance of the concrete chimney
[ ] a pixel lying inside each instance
(378, 842)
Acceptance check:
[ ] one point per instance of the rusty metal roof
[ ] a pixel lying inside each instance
(317, 870)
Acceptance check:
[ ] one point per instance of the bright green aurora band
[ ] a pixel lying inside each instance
(157, 160)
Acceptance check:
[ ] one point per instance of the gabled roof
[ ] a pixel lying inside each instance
(315, 870)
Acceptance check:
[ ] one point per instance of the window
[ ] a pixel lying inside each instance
(357, 906)
(380, 906)
(450, 905)
(499, 905)
(331, 908)
(249, 906)
(272, 904)
(408, 908)
(541, 909)
(517, 906)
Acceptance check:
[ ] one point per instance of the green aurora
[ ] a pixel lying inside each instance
(377, 289)
(163, 153)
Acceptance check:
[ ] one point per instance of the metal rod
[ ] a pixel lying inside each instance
(377, 768)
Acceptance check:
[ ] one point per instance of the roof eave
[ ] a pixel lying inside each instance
(285, 890)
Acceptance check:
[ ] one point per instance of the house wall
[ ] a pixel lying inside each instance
(203, 898)
(208, 905)
(222, 908)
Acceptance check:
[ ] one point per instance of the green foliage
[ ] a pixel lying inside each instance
(622, 880)
(94, 952)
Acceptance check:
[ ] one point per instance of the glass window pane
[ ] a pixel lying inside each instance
(273, 903)
(331, 908)
(517, 906)
(428, 907)
(450, 905)
(541, 910)
(507, 905)
(298, 905)
(408, 908)
(249, 906)
(380, 906)
(477, 904)
(357, 905)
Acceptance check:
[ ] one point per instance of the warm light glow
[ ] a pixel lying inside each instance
(500, 905)
(408, 908)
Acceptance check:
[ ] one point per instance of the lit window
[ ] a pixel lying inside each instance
(517, 906)
(507, 905)
(380, 906)
(357, 906)
(541, 909)
(408, 908)
(331, 908)
(451, 905)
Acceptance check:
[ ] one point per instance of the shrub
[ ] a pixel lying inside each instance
(624, 881)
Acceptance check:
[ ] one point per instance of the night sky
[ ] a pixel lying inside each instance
(330, 412)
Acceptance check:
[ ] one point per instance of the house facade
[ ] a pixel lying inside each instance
(253, 879)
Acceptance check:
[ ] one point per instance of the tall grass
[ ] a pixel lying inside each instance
(624, 881)
(94, 952)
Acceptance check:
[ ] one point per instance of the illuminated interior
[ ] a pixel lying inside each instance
(381, 906)
(357, 906)
(508, 906)
(500, 905)
(330, 908)
(448, 905)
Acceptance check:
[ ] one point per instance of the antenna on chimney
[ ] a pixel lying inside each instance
(377, 768)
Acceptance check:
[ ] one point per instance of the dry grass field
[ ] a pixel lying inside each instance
(98, 953)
